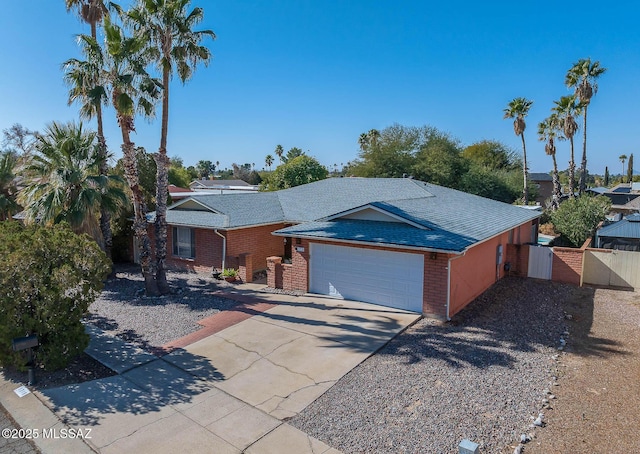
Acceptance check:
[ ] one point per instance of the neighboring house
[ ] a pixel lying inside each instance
(623, 235)
(177, 193)
(544, 184)
(394, 242)
(625, 198)
(221, 186)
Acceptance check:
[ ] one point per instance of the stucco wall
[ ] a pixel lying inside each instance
(475, 272)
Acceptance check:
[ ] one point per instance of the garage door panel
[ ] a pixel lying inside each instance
(388, 278)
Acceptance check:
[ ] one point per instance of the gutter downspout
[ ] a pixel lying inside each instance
(224, 247)
(449, 282)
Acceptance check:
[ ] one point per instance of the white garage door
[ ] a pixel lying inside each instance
(393, 279)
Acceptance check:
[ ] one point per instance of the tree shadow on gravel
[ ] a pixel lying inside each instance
(579, 310)
(515, 315)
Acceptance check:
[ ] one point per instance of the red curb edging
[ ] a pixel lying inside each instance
(248, 307)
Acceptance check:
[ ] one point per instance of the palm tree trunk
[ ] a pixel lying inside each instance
(140, 224)
(162, 183)
(572, 172)
(105, 216)
(557, 190)
(525, 191)
(583, 165)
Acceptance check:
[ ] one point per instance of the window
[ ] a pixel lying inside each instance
(184, 242)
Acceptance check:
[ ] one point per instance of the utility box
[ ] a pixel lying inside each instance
(468, 447)
(22, 343)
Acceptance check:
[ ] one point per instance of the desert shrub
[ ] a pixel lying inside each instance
(48, 278)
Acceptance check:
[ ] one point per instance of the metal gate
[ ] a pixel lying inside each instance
(540, 262)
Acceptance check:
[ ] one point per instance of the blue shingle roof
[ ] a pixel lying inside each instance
(455, 220)
(628, 227)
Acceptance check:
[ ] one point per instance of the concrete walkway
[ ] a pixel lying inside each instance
(228, 392)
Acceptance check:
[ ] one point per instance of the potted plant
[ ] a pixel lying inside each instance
(229, 274)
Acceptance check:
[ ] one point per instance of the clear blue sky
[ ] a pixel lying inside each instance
(317, 73)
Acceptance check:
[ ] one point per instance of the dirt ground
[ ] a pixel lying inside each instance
(597, 409)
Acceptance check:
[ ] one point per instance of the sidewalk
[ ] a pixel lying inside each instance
(227, 392)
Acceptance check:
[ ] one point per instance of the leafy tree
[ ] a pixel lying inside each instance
(63, 181)
(582, 77)
(179, 176)
(577, 218)
(392, 156)
(18, 139)
(548, 130)
(566, 109)
(169, 28)
(254, 178)
(630, 169)
(292, 154)
(65, 275)
(492, 155)
(205, 168)
(241, 172)
(518, 109)
(8, 187)
(300, 170)
(439, 159)
(489, 183)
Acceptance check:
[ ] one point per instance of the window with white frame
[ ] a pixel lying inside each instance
(184, 242)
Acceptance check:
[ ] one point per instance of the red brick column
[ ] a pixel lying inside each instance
(245, 267)
(435, 285)
(300, 268)
(274, 272)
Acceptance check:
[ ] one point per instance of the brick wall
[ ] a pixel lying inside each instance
(567, 265)
(435, 285)
(208, 252)
(257, 241)
(518, 258)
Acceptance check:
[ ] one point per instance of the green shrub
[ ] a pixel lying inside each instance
(577, 219)
(48, 278)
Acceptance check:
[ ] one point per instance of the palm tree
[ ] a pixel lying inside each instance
(548, 130)
(279, 151)
(567, 108)
(169, 28)
(268, 160)
(363, 141)
(373, 136)
(622, 158)
(8, 187)
(82, 90)
(518, 109)
(63, 181)
(582, 77)
(131, 89)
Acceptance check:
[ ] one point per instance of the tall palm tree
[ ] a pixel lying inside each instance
(518, 109)
(169, 28)
(622, 158)
(374, 136)
(548, 130)
(567, 108)
(363, 141)
(582, 77)
(268, 160)
(130, 88)
(8, 187)
(279, 151)
(63, 181)
(82, 90)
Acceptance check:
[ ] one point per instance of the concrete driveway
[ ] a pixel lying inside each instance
(230, 391)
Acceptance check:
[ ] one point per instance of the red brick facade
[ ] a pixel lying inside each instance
(567, 265)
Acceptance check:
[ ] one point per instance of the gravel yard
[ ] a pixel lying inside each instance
(123, 311)
(482, 376)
